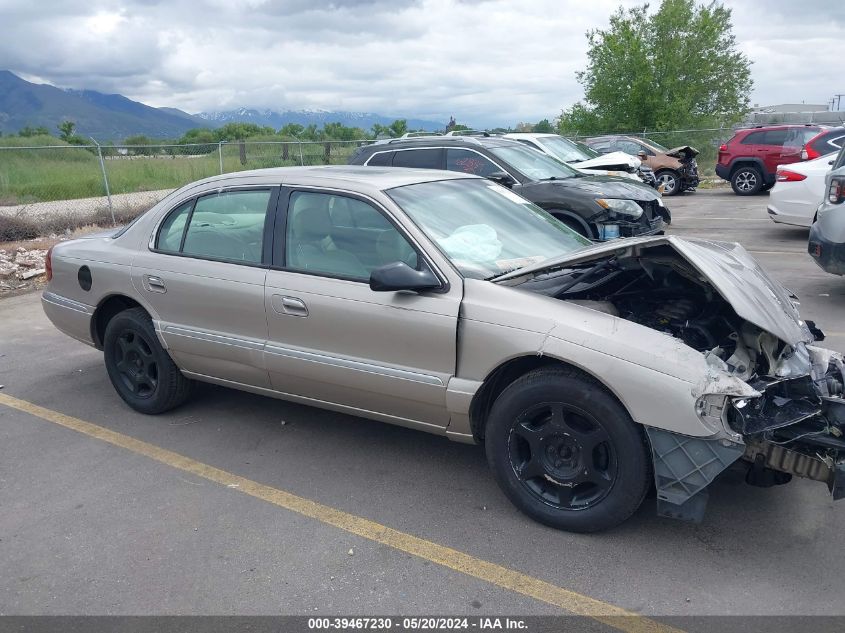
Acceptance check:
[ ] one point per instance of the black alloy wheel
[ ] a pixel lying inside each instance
(563, 456)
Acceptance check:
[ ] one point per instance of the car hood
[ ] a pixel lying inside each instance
(728, 267)
(676, 152)
(606, 161)
(601, 187)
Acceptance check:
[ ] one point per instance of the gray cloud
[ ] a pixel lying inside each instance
(487, 62)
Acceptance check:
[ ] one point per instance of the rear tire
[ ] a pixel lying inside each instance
(140, 369)
(670, 180)
(565, 452)
(746, 181)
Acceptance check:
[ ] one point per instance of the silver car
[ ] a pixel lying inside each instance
(827, 233)
(446, 303)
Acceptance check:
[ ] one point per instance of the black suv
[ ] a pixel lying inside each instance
(598, 207)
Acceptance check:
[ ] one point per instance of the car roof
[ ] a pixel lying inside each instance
(783, 126)
(529, 135)
(325, 175)
(443, 141)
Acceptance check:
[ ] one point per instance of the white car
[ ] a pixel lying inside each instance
(798, 191)
(581, 158)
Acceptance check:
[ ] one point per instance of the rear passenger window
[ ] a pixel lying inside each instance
(755, 138)
(776, 137)
(173, 228)
(469, 162)
(382, 159)
(227, 226)
(419, 158)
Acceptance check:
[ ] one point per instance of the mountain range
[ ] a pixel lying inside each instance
(113, 117)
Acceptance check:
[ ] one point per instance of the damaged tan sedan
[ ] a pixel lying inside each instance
(446, 303)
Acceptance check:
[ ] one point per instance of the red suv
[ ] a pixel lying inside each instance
(750, 159)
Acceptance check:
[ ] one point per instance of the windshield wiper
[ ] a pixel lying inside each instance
(502, 274)
(588, 274)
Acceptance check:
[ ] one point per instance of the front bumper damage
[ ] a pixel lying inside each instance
(780, 427)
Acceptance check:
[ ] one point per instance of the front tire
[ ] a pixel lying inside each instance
(566, 453)
(670, 180)
(140, 369)
(746, 181)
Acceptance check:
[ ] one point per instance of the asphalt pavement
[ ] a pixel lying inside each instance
(97, 523)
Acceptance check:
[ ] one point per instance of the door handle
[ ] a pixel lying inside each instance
(290, 306)
(154, 284)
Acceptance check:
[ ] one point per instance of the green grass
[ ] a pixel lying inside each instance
(39, 175)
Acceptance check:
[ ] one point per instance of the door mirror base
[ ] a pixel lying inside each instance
(399, 276)
(502, 178)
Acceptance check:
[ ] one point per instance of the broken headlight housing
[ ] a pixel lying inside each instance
(627, 208)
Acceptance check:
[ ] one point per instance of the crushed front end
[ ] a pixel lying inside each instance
(795, 427)
(770, 397)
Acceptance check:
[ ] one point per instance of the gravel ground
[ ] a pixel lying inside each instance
(84, 206)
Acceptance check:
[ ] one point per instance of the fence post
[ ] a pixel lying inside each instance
(220, 155)
(105, 179)
(242, 148)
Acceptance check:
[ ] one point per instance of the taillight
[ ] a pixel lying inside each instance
(784, 175)
(48, 263)
(809, 153)
(836, 193)
(723, 147)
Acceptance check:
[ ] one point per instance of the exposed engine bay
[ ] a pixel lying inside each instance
(792, 419)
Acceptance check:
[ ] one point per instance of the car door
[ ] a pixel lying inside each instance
(332, 340)
(204, 274)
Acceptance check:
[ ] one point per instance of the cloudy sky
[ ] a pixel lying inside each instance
(488, 62)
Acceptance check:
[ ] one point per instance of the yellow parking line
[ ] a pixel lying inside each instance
(498, 575)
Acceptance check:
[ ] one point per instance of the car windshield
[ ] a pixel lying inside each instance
(655, 146)
(485, 230)
(533, 163)
(589, 151)
(564, 150)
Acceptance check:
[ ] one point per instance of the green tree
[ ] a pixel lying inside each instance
(242, 131)
(291, 129)
(674, 68)
(397, 128)
(544, 127)
(27, 132)
(140, 143)
(66, 130)
(339, 132)
(379, 131)
(198, 135)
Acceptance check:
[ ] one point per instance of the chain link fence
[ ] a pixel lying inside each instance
(41, 180)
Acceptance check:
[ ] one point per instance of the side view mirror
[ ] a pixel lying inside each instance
(503, 178)
(400, 276)
(642, 155)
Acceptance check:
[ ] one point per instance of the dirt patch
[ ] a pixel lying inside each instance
(22, 267)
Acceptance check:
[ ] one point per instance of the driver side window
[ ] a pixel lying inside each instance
(341, 236)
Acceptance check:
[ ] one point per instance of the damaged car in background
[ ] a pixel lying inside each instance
(446, 303)
(676, 169)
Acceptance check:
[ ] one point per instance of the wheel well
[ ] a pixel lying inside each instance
(104, 313)
(744, 163)
(573, 221)
(500, 378)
